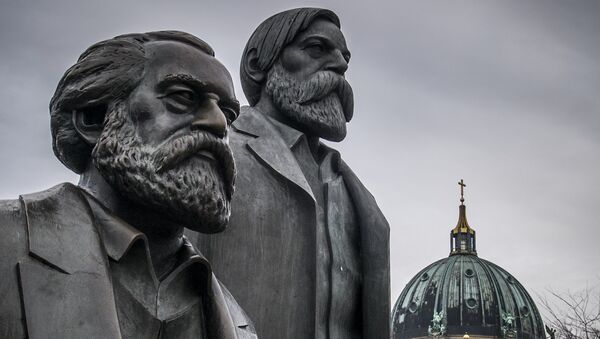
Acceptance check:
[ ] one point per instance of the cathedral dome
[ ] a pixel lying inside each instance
(465, 294)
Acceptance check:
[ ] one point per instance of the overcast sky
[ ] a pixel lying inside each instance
(503, 94)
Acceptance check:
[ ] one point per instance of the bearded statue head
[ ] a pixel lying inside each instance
(151, 113)
(297, 60)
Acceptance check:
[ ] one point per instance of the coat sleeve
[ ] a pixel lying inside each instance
(13, 248)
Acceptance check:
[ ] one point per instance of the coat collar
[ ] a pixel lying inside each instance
(290, 136)
(61, 229)
(269, 146)
(117, 235)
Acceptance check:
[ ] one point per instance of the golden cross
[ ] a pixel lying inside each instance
(462, 193)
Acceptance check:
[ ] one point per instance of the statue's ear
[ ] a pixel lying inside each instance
(251, 66)
(89, 123)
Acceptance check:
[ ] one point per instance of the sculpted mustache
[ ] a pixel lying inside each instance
(188, 145)
(322, 84)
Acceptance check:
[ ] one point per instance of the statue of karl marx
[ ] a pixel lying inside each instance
(144, 119)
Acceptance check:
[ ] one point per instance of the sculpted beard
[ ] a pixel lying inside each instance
(191, 192)
(320, 106)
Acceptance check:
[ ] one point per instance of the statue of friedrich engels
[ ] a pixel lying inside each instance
(307, 250)
(144, 119)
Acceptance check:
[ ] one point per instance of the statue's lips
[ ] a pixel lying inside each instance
(206, 154)
(213, 158)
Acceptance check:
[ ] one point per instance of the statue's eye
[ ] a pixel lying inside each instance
(183, 96)
(315, 48)
(180, 99)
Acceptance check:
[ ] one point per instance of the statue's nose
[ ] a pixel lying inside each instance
(210, 117)
(338, 64)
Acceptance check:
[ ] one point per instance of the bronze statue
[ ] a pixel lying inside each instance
(144, 119)
(307, 250)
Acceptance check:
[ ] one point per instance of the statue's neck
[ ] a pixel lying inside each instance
(165, 238)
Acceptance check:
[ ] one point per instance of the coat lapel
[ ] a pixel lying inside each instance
(218, 321)
(243, 325)
(226, 319)
(66, 291)
(269, 148)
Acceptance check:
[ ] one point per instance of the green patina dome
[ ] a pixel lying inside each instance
(465, 294)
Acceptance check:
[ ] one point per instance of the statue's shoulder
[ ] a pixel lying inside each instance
(12, 225)
(62, 194)
(16, 215)
(11, 211)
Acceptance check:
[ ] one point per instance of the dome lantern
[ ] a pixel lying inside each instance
(462, 237)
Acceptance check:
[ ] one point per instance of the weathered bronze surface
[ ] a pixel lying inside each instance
(143, 118)
(307, 250)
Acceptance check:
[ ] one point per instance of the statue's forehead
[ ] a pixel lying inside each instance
(167, 58)
(323, 28)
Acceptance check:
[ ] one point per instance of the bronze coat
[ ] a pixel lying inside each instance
(267, 256)
(55, 280)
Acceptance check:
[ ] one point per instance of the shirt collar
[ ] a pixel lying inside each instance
(290, 135)
(118, 236)
(330, 158)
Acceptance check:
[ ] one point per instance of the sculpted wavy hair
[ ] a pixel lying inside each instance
(271, 37)
(104, 75)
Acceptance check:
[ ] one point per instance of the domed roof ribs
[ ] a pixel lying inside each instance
(495, 285)
(461, 292)
(462, 237)
(480, 288)
(441, 288)
(475, 267)
(509, 303)
(401, 309)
